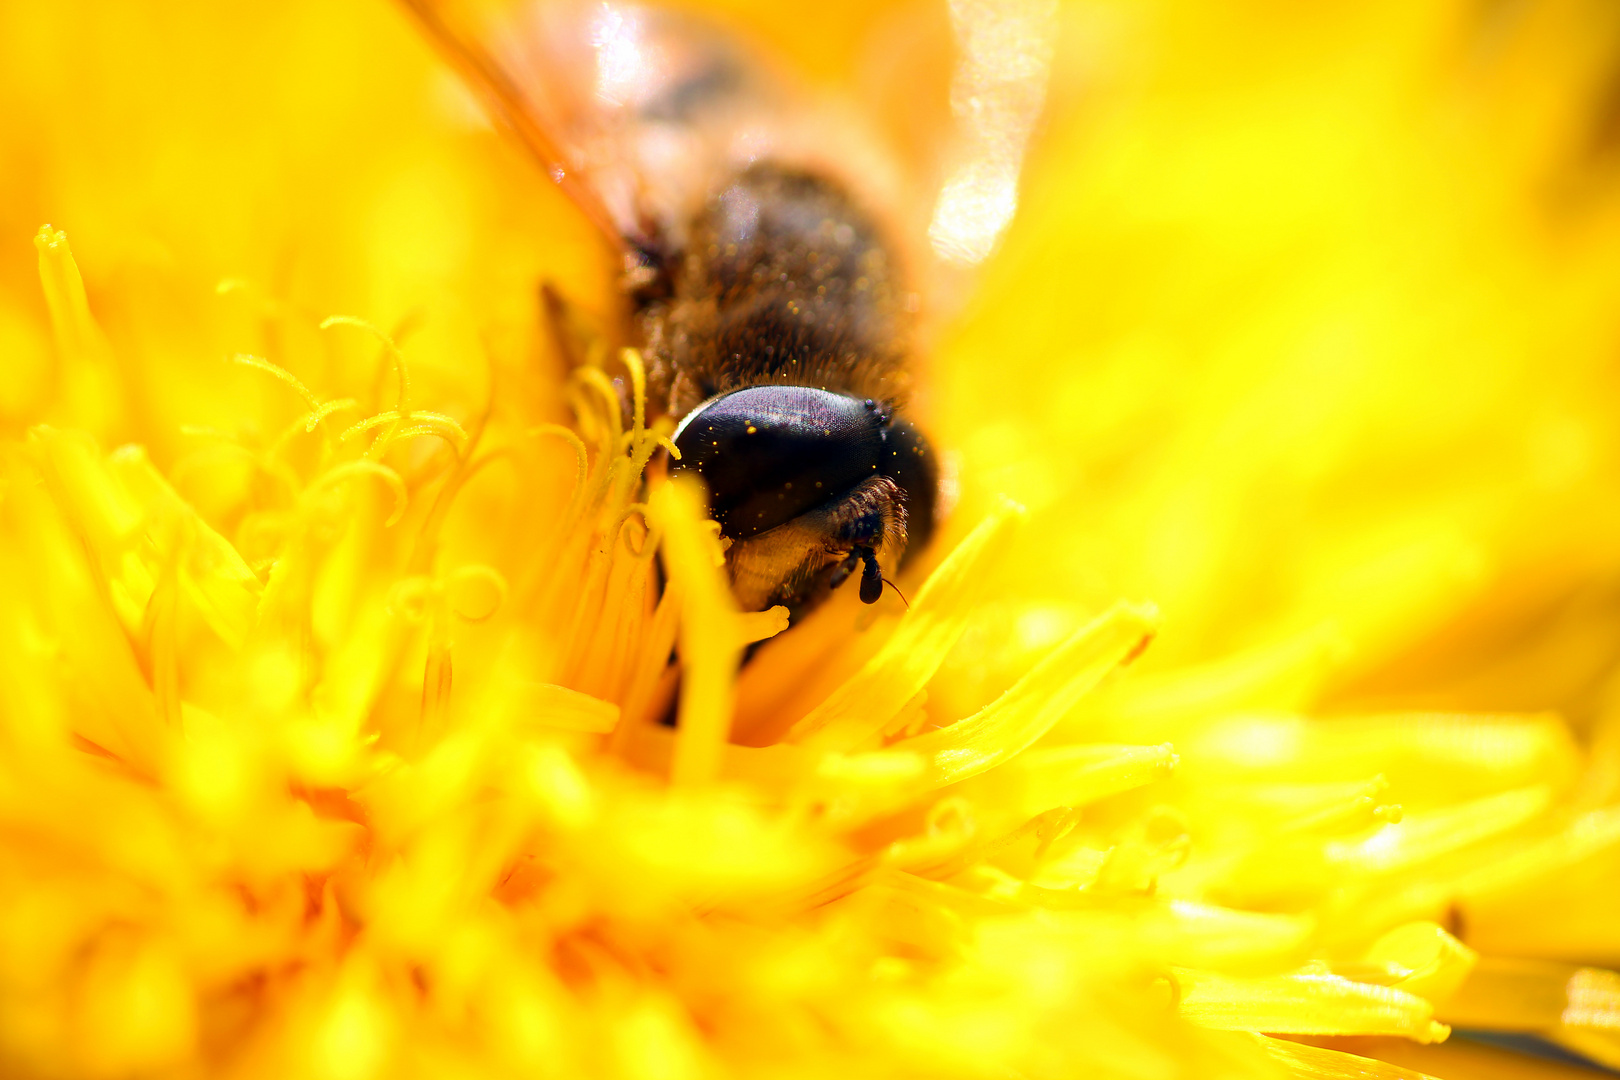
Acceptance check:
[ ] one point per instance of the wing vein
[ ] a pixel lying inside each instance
(508, 106)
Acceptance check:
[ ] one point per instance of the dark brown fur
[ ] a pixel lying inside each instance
(784, 280)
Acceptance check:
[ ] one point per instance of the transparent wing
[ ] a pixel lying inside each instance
(957, 88)
(633, 110)
(485, 46)
(998, 89)
(639, 112)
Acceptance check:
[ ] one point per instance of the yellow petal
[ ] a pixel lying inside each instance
(1306, 1004)
(936, 619)
(1024, 713)
(710, 636)
(1306, 1062)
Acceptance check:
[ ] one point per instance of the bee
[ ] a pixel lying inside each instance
(773, 258)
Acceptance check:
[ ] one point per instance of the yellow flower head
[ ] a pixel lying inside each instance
(338, 652)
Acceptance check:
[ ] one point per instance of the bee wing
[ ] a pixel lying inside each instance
(1003, 62)
(638, 112)
(958, 88)
(526, 95)
(632, 110)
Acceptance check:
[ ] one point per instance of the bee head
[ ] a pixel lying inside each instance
(825, 461)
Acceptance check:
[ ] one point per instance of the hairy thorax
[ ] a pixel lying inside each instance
(782, 280)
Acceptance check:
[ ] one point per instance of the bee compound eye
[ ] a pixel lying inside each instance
(769, 453)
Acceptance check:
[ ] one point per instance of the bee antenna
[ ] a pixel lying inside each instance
(898, 593)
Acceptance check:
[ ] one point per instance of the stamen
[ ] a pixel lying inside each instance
(365, 467)
(401, 411)
(259, 363)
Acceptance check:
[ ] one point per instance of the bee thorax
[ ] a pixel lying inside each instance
(784, 280)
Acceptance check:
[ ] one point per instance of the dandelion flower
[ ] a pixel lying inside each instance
(338, 621)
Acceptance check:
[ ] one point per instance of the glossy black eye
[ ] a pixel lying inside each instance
(769, 453)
